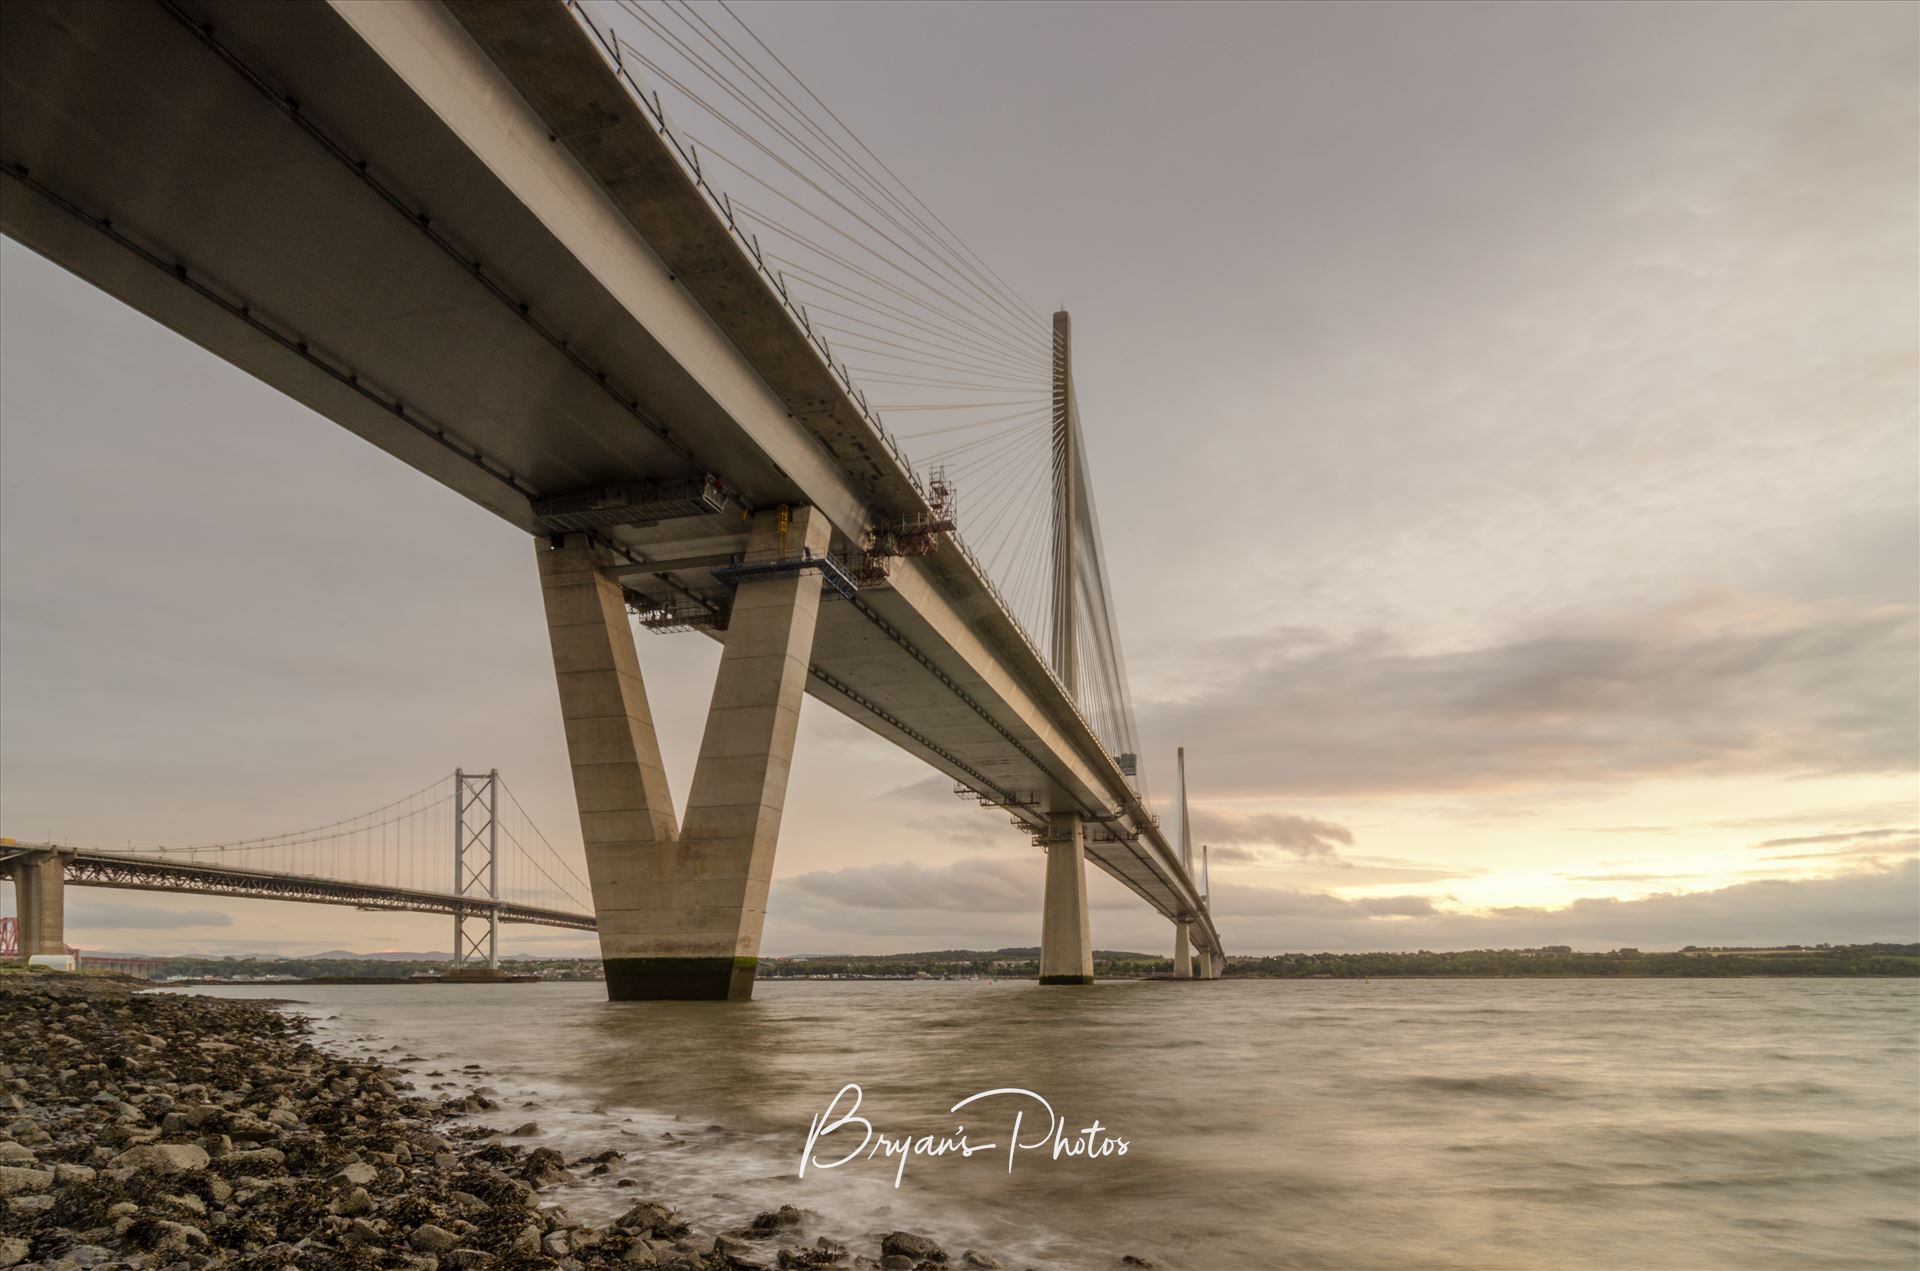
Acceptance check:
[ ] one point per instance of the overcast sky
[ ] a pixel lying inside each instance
(1504, 420)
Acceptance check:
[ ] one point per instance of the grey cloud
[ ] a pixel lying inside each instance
(975, 885)
(86, 914)
(934, 789)
(1859, 815)
(972, 830)
(1872, 849)
(1626, 878)
(1811, 816)
(1359, 873)
(976, 903)
(1862, 815)
(1304, 836)
(1843, 836)
(1326, 871)
(1682, 697)
(1243, 902)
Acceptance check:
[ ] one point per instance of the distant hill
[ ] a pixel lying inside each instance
(381, 957)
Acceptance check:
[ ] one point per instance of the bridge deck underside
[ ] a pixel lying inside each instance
(260, 181)
(146, 873)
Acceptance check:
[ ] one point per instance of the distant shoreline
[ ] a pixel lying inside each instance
(1554, 962)
(350, 980)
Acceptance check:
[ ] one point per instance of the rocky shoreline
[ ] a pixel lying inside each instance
(146, 1130)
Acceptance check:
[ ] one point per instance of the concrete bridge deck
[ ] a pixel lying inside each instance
(451, 229)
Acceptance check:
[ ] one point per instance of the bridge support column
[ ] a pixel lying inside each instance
(619, 781)
(681, 913)
(39, 891)
(1066, 941)
(1182, 950)
(740, 782)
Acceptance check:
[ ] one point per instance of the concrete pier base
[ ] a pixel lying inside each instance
(1183, 951)
(681, 910)
(39, 892)
(1066, 941)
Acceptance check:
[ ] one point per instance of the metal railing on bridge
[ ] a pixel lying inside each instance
(868, 270)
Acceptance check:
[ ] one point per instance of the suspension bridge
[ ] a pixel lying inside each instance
(619, 276)
(452, 848)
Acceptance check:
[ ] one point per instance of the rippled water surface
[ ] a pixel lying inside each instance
(1738, 1124)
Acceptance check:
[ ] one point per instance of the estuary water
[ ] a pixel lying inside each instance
(1684, 1124)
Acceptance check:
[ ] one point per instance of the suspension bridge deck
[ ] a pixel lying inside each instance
(91, 867)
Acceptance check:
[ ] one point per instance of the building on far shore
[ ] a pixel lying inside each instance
(138, 968)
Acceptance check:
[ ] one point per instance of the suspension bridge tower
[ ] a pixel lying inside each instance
(476, 874)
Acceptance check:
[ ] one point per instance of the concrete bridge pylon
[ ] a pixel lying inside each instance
(682, 906)
(39, 887)
(1066, 943)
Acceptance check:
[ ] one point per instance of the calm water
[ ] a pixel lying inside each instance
(1400, 1124)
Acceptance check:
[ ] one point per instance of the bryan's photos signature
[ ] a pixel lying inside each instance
(1028, 1111)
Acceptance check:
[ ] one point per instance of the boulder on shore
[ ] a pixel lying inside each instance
(16, 1180)
(163, 1158)
(905, 1244)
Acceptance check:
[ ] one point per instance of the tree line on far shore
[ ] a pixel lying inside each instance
(1548, 962)
(1561, 961)
(1553, 961)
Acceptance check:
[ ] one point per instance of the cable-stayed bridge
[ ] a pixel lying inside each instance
(476, 235)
